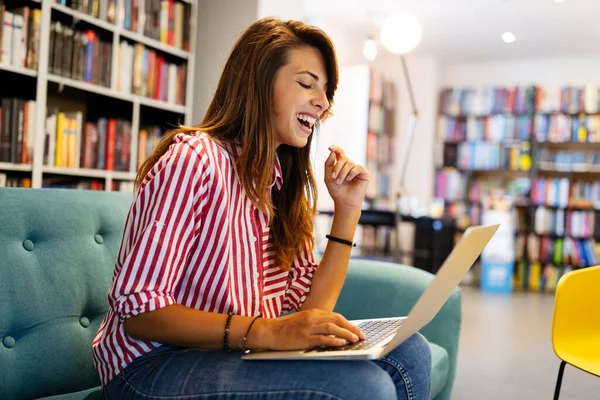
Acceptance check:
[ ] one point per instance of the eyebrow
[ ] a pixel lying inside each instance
(315, 76)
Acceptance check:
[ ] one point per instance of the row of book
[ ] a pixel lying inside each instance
(382, 91)
(568, 98)
(14, 181)
(80, 55)
(464, 214)
(492, 156)
(72, 142)
(66, 182)
(493, 128)
(20, 36)
(489, 100)
(561, 222)
(521, 100)
(105, 10)
(167, 21)
(449, 184)
(148, 139)
(564, 160)
(380, 148)
(145, 72)
(538, 277)
(561, 128)
(17, 130)
(516, 188)
(553, 192)
(378, 190)
(62, 182)
(585, 194)
(566, 251)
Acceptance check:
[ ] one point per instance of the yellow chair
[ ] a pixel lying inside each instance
(576, 322)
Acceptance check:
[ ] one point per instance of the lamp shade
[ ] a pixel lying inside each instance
(400, 33)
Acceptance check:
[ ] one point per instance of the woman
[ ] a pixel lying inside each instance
(218, 244)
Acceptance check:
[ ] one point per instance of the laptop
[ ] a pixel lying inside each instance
(385, 334)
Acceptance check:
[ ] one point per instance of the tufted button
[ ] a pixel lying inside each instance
(98, 238)
(28, 244)
(84, 322)
(8, 342)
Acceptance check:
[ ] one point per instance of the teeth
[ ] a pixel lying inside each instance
(307, 118)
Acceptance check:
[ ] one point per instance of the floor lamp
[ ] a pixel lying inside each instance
(400, 34)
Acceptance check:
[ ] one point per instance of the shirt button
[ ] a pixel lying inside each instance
(256, 275)
(253, 239)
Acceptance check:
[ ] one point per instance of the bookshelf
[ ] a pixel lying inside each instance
(381, 136)
(101, 64)
(540, 145)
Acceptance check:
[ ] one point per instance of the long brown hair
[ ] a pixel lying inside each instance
(241, 113)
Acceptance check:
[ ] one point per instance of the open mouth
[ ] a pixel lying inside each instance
(306, 122)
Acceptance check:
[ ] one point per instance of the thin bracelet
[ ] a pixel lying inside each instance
(226, 337)
(243, 343)
(342, 241)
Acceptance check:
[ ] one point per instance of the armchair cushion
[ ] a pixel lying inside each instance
(377, 289)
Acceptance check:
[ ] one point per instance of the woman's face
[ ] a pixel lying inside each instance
(300, 96)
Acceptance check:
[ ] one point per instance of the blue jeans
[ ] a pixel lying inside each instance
(171, 372)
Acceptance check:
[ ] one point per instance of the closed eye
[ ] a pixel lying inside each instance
(304, 86)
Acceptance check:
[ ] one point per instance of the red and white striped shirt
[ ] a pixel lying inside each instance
(193, 237)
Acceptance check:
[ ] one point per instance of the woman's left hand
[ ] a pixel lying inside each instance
(346, 181)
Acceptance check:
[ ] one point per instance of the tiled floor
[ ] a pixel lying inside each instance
(506, 351)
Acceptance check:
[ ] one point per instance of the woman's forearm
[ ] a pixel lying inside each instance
(184, 326)
(330, 275)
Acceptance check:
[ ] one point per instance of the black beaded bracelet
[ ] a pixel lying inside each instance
(226, 337)
(342, 241)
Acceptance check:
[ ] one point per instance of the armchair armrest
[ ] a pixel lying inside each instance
(376, 289)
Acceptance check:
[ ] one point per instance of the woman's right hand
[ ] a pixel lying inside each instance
(306, 330)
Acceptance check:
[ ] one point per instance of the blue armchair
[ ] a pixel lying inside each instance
(57, 253)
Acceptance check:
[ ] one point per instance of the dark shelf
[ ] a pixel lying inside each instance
(554, 236)
(570, 114)
(492, 114)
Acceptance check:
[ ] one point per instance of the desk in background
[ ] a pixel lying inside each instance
(433, 238)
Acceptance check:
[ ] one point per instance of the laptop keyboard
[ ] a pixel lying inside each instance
(375, 331)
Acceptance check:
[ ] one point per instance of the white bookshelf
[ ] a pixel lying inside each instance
(18, 70)
(180, 112)
(84, 17)
(89, 173)
(15, 167)
(155, 44)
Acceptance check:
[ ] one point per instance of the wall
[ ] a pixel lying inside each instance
(219, 25)
(571, 70)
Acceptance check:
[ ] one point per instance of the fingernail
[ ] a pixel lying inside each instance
(362, 335)
(342, 342)
(333, 175)
(339, 181)
(348, 178)
(354, 337)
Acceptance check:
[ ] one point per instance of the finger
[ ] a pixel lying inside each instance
(359, 172)
(330, 328)
(339, 320)
(337, 149)
(344, 172)
(326, 341)
(341, 163)
(330, 162)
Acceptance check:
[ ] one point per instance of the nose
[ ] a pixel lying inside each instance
(320, 100)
